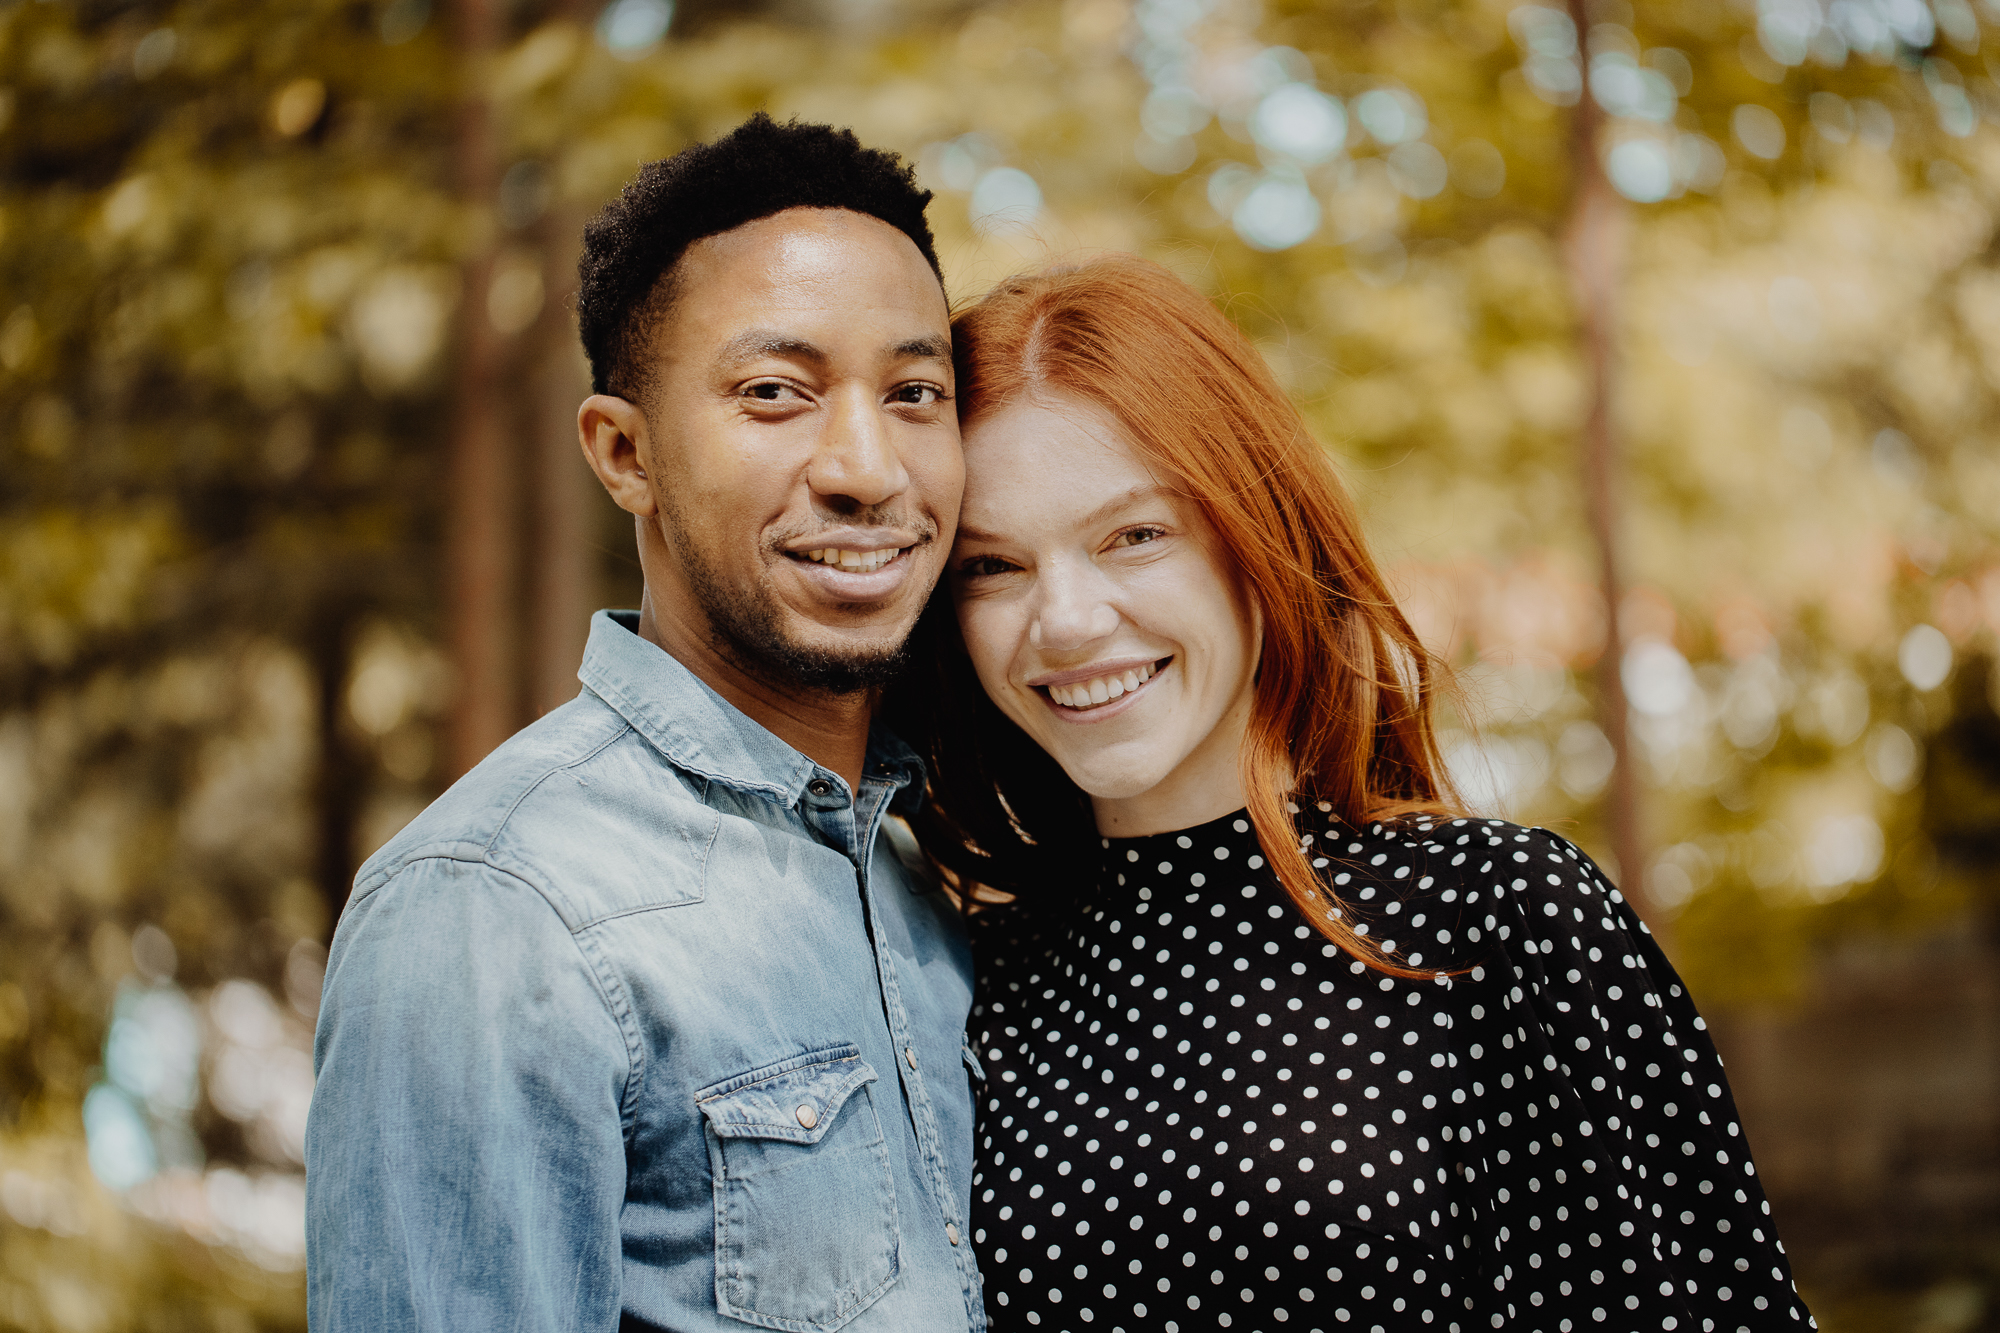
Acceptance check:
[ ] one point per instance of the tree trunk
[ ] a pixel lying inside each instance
(560, 584)
(1594, 251)
(338, 783)
(479, 521)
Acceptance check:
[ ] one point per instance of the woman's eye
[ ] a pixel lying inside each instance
(1138, 536)
(918, 395)
(981, 566)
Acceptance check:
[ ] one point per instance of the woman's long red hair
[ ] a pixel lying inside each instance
(1342, 708)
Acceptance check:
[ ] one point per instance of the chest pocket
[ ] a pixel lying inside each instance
(805, 1206)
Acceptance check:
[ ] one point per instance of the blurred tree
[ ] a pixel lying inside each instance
(285, 340)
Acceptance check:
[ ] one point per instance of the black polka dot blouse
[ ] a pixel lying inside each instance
(1199, 1114)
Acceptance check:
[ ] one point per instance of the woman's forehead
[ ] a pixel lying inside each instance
(1049, 459)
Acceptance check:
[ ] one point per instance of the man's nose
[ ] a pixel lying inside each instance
(855, 459)
(1074, 608)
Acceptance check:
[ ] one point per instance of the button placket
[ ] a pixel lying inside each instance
(834, 816)
(916, 1096)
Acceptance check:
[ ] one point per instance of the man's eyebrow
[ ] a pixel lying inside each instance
(929, 347)
(754, 343)
(766, 342)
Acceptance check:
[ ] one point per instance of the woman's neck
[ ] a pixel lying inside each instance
(1204, 786)
(1157, 813)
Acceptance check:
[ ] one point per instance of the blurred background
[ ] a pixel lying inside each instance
(1661, 343)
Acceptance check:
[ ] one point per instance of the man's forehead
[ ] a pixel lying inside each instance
(821, 253)
(809, 284)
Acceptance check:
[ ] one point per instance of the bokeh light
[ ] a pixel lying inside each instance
(1300, 122)
(1005, 199)
(1276, 213)
(631, 28)
(1641, 169)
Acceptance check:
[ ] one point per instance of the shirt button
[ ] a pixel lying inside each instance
(951, 1232)
(808, 1116)
(820, 787)
(910, 1054)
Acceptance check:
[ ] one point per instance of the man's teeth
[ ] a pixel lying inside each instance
(856, 562)
(1090, 693)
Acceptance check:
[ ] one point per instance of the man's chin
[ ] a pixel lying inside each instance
(833, 663)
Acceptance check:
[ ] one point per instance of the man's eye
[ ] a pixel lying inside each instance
(919, 395)
(770, 391)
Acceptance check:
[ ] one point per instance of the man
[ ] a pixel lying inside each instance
(644, 1024)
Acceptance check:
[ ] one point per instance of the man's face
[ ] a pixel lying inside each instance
(802, 445)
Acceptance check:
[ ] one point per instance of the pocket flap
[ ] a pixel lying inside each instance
(795, 1100)
(972, 1063)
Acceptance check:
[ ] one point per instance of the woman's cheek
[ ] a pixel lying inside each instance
(982, 627)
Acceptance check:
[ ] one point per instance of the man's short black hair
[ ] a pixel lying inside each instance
(757, 169)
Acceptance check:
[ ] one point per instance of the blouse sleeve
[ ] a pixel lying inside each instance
(1612, 1044)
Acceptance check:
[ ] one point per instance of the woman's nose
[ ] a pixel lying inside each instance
(1075, 608)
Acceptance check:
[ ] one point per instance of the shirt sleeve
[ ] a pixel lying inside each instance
(465, 1160)
(1677, 1219)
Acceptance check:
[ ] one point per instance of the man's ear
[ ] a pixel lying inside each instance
(613, 434)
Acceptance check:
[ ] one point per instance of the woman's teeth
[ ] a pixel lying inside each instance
(854, 562)
(1090, 693)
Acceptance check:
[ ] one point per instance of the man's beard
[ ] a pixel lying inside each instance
(745, 629)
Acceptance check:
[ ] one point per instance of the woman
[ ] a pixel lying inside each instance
(1270, 1036)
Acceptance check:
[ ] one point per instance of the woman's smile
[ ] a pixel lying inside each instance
(1097, 616)
(1087, 694)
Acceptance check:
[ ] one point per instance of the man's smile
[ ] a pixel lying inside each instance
(854, 565)
(850, 560)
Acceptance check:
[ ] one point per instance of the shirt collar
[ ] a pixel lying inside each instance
(702, 733)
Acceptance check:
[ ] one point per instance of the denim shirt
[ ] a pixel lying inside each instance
(646, 1023)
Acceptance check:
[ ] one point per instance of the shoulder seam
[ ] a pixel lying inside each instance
(625, 729)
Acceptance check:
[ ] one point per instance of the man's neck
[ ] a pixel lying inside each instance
(829, 729)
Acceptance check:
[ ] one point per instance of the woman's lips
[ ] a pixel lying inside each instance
(1094, 697)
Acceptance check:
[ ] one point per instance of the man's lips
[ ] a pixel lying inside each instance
(853, 550)
(855, 567)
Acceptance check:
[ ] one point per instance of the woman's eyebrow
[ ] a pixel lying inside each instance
(1125, 501)
(968, 533)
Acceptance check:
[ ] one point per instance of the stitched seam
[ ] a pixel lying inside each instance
(715, 831)
(617, 1009)
(784, 1127)
(442, 850)
(688, 766)
(618, 1004)
(809, 1064)
(624, 912)
(534, 786)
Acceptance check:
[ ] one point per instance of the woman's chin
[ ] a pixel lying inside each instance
(1114, 784)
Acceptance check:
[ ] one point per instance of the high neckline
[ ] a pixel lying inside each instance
(1235, 824)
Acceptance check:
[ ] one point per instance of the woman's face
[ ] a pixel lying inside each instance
(1098, 618)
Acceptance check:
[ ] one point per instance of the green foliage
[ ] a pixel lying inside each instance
(233, 263)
